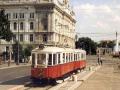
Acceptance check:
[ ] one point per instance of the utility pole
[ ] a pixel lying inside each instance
(18, 43)
(117, 44)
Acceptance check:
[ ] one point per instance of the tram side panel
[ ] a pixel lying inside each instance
(52, 71)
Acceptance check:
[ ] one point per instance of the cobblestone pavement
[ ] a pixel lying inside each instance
(106, 78)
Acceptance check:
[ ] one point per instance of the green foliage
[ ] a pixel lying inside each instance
(87, 44)
(27, 51)
(106, 44)
(5, 32)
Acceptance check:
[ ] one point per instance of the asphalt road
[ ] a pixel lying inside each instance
(15, 75)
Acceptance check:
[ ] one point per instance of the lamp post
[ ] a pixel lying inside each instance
(18, 44)
(0, 49)
(10, 57)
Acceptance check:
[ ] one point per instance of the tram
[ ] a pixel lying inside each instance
(51, 63)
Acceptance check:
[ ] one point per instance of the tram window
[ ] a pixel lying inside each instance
(58, 58)
(63, 57)
(74, 57)
(33, 59)
(82, 56)
(69, 57)
(79, 56)
(54, 59)
(50, 59)
(41, 58)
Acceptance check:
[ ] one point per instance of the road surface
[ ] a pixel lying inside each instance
(11, 77)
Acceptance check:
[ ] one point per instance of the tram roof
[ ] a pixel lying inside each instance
(56, 49)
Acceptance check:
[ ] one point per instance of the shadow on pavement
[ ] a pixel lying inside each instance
(18, 81)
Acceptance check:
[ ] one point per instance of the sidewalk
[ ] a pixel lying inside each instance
(103, 79)
(73, 83)
(13, 64)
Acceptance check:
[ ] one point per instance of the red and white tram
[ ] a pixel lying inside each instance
(54, 62)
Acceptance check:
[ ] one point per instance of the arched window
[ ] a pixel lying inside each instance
(31, 25)
(15, 26)
(21, 26)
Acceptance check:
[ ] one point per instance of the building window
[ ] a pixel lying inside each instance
(44, 38)
(21, 26)
(45, 26)
(15, 25)
(44, 21)
(31, 37)
(15, 15)
(8, 15)
(31, 25)
(21, 15)
(21, 37)
(31, 15)
(14, 37)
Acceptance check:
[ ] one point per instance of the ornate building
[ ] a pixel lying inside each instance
(49, 22)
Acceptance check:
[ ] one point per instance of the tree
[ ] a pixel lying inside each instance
(27, 51)
(87, 44)
(106, 44)
(17, 47)
(5, 32)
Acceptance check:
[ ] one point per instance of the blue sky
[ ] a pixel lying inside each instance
(99, 17)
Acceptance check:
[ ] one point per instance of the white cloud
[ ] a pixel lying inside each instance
(90, 8)
(116, 18)
(98, 19)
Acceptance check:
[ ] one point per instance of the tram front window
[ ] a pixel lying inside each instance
(41, 59)
(33, 60)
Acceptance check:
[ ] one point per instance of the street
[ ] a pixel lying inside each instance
(106, 78)
(11, 77)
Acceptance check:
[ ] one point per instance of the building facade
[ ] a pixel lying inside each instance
(50, 22)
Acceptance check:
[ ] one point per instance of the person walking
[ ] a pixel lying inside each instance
(101, 62)
(99, 57)
(98, 60)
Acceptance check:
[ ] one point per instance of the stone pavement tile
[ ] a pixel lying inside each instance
(103, 79)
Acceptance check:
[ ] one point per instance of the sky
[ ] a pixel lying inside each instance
(97, 19)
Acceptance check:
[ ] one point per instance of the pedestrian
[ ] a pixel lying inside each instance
(98, 60)
(101, 62)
